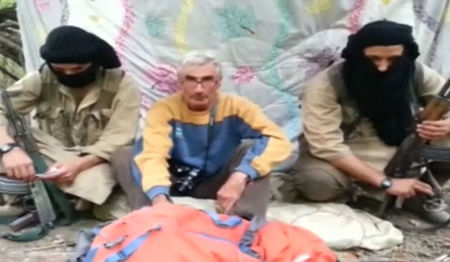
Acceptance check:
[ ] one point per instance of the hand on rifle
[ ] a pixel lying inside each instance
(18, 165)
(433, 130)
(409, 187)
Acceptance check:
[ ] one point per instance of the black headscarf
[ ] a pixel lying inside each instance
(70, 44)
(73, 45)
(382, 33)
(383, 97)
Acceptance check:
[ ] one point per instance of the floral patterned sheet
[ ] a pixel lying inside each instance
(270, 49)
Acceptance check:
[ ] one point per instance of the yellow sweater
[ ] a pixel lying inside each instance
(207, 140)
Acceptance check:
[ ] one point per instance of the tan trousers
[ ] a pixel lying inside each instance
(94, 184)
(316, 180)
(254, 200)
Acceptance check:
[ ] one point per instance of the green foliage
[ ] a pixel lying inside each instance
(7, 3)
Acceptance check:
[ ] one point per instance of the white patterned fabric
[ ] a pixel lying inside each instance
(337, 224)
(269, 48)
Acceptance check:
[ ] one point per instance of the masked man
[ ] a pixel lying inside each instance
(358, 112)
(85, 108)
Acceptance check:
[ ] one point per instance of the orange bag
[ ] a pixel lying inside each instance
(174, 233)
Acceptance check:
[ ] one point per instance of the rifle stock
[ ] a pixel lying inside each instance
(22, 135)
(403, 158)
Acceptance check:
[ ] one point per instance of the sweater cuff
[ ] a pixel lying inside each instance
(156, 191)
(248, 170)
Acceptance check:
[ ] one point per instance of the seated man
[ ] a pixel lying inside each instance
(85, 109)
(192, 145)
(358, 112)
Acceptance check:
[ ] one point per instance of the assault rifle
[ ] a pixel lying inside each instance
(415, 153)
(44, 206)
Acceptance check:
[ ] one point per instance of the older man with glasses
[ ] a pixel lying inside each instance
(192, 146)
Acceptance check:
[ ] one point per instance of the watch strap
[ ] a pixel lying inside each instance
(386, 183)
(11, 146)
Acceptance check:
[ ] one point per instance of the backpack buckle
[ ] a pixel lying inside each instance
(114, 243)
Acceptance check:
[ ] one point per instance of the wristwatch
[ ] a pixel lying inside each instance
(8, 147)
(386, 183)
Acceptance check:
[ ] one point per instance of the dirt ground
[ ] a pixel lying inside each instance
(55, 247)
(418, 246)
(427, 247)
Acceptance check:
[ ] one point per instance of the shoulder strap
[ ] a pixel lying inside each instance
(232, 221)
(335, 76)
(246, 242)
(109, 88)
(418, 84)
(47, 82)
(418, 75)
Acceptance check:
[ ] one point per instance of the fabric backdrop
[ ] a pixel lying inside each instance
(269, 48)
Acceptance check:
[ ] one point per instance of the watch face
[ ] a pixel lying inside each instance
(387, 183)
(5, 148)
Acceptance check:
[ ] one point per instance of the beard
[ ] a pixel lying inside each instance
(385, 98)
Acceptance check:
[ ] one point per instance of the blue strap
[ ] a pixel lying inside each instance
(97, 229)
(232, 221)
(247, 239)
(127, 251)
(90, 255)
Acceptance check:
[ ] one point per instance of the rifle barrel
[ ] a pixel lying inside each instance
(445, 91)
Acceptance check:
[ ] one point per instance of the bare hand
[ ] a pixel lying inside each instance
(68, 172)
(18, 165)
(160, 200)
(231, 191)
(409, 187)
(432, 130)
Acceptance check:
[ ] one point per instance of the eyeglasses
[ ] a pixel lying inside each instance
(206, 82)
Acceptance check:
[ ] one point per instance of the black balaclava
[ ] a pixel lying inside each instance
(73, 45)
(78, 80)
(385, 98)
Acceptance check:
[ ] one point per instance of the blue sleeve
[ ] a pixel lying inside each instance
(156, 191)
